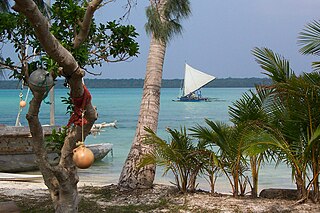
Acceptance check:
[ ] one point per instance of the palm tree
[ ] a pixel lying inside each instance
(230, 143)
(176, 155)
(164, 18)
(207, 157)
(310, 41)
(294, 118)
(248, 111)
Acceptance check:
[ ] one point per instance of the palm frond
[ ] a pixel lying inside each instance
(249, 108)
(177, 9)
(276, 67)
(164, 22)
(315, 139)
(316, 65)
(309, 39)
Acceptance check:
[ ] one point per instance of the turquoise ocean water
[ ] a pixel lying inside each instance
(122, 104)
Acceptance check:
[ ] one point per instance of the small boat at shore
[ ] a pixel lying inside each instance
(19, 177)
(98, 128)
(194, 80)
(16, 152)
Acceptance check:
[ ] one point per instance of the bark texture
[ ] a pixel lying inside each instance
(131, 176)
(86, 22)
(62, 179)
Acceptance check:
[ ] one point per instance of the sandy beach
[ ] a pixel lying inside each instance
(193, 202)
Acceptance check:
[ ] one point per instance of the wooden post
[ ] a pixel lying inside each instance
(52, 107)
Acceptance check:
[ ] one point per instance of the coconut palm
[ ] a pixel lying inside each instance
(164, 18)
(230, 144)
(208, 159)
(310, 40)
(295, 118)
(248, 111)
(176, 155)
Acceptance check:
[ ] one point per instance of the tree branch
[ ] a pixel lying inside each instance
(9, 67)
(49, 43)
(85, 25)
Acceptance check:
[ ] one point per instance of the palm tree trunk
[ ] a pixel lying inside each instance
(254, 173)
(212, 182)
(315, 171)
(301, 188)
(236, 184)
(132, 176)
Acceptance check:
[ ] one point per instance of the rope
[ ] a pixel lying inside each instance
(82, 136)
(21, 99)
(81, 143)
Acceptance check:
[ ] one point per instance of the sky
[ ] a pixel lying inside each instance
(218, 37)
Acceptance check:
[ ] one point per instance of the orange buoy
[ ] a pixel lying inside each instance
(23, 104)
(82, 157)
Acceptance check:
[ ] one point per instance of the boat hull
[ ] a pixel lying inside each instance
(27, 162)
(185, 99)
(17, 155)
(23, 162)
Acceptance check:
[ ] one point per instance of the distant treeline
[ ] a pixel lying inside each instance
(138, 83)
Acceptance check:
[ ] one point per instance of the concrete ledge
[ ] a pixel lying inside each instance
(9, 207)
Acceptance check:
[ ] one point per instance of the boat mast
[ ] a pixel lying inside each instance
(52, 107)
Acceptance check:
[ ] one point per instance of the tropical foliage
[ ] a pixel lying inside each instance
(176, 156)
(294, 120)
(109, 42)
(279, 122)
(63, 42)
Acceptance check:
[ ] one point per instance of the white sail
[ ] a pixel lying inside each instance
(194, 80)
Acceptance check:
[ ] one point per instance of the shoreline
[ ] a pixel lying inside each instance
(200, 201)
(91, 177)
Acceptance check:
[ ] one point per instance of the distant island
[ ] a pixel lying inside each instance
(138, 83)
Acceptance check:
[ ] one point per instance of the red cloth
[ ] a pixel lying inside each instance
(79, 105)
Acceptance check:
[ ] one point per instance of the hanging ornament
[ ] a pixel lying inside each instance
(83, 157)
(40, 80)
(23, 104)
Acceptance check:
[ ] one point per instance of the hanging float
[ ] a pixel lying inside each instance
(22, 103)
(83, 157)
(40, 81)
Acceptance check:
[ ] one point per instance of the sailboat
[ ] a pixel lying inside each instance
(194, 80)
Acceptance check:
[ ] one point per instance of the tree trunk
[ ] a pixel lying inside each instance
(236, 184)
(301, 188)
(212, 183)
(62, 179)
(254, 173)
(315, 171)
(132, 176)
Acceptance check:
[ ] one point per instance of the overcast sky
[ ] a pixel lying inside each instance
(219, 36)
